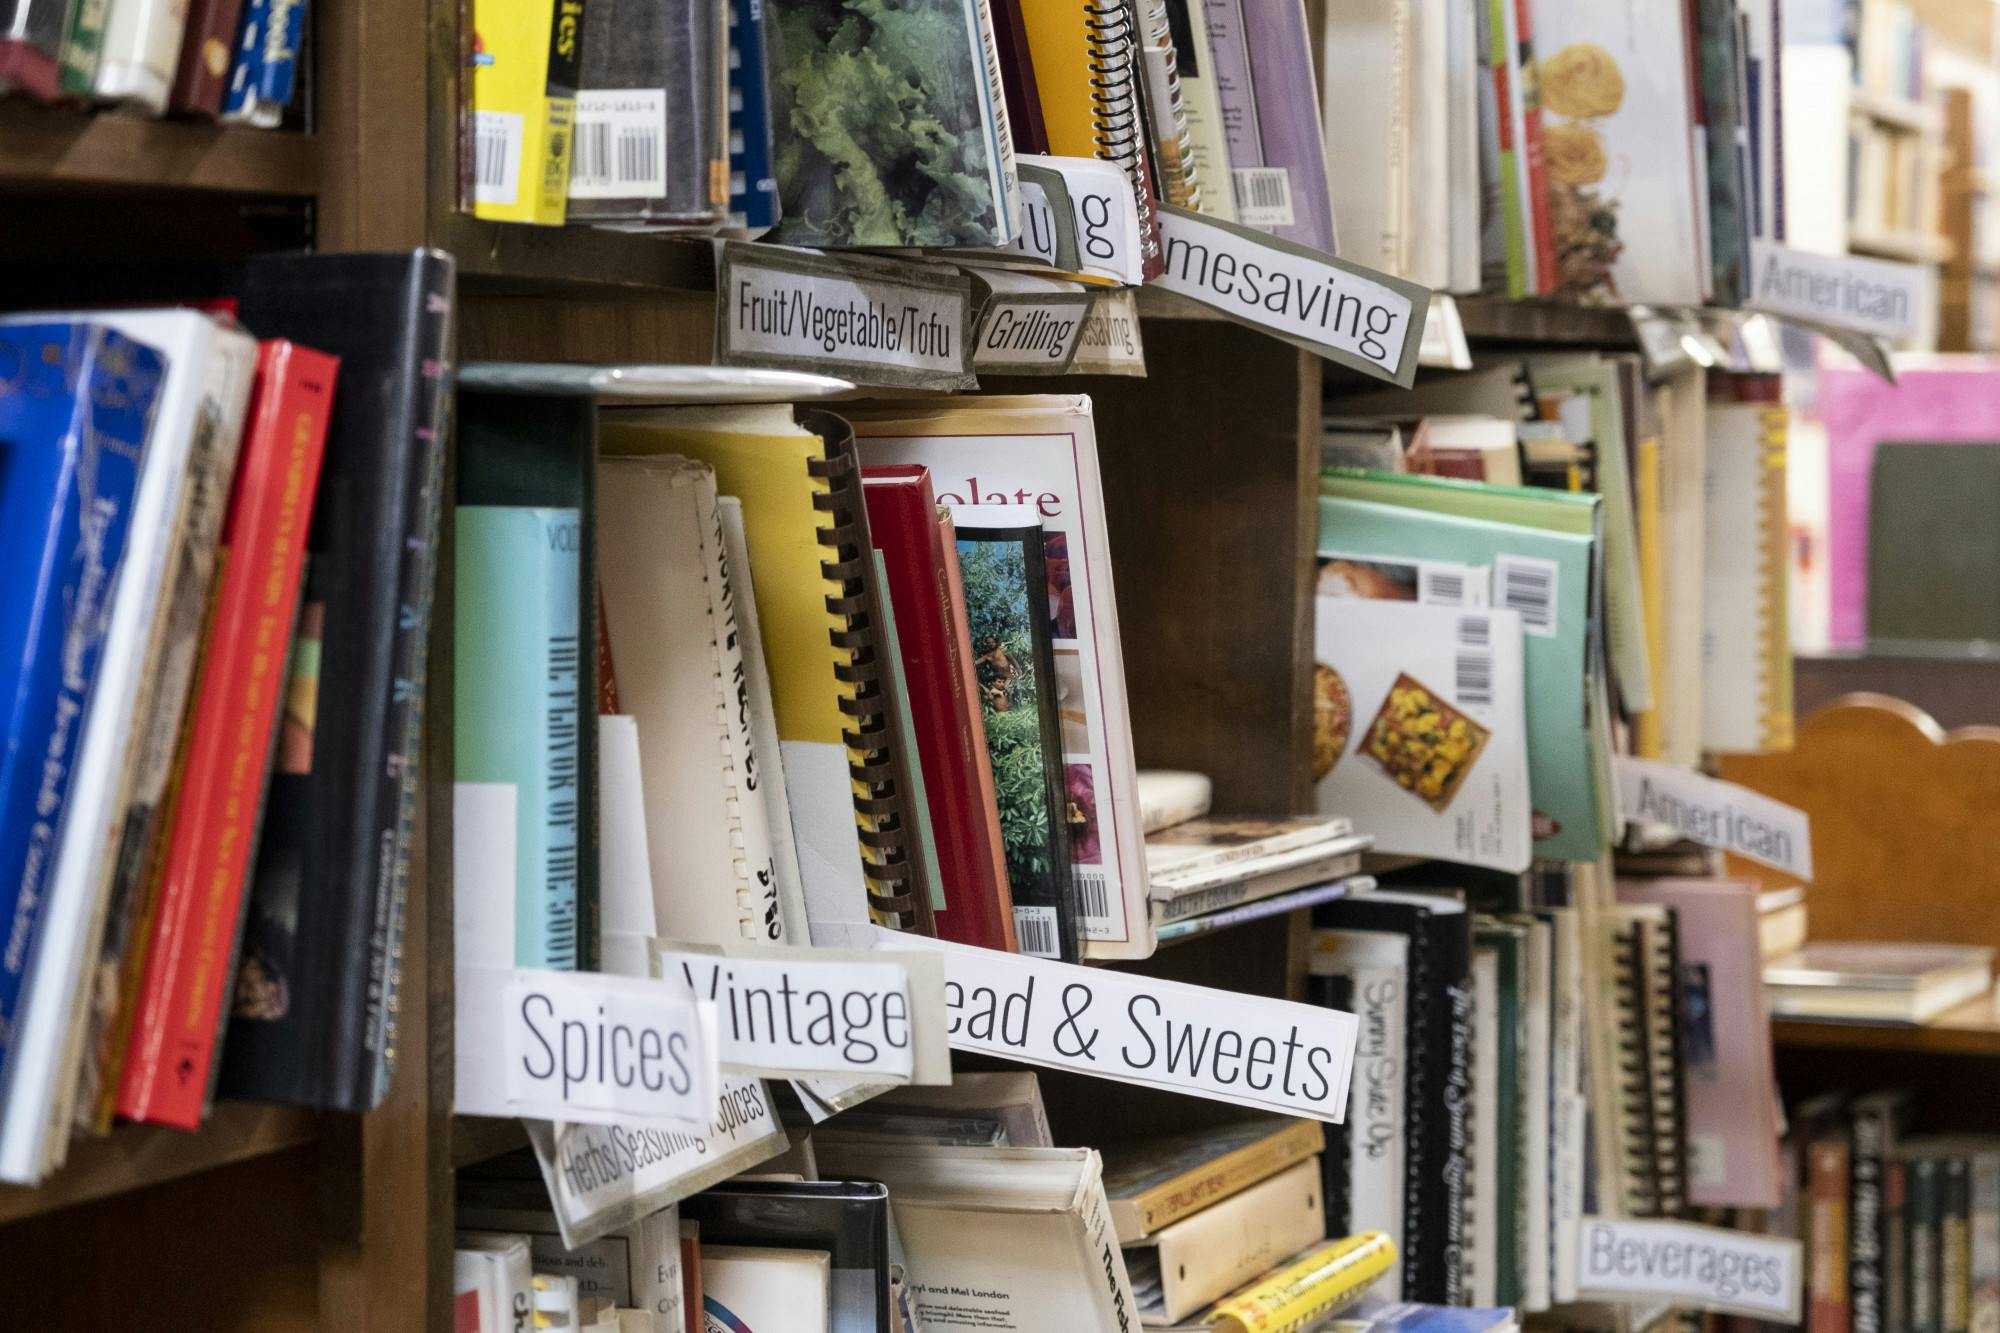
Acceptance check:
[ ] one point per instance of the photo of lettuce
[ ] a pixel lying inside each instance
(877, 125)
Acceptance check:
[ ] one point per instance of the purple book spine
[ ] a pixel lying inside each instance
(1230, 68)
(1281, 70)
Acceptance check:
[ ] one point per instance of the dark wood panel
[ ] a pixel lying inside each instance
(67, 147)
(1955, 691)
(669, 328)
(1207, 494)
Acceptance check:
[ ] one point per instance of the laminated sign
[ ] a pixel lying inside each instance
(1289, 1058)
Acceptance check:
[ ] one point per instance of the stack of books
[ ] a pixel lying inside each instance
(208, 517)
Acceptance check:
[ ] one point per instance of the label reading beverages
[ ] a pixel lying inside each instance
(1716, 814)
(620, 150)
(590, 1047)
(870, 320)
(1365, 320)
(1286, 1057)
(1871, 296)
(1708, 1268)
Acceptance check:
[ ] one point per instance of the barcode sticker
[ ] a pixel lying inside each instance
(496, 157)
(621, 144)
(1091, 899)
(1035, 930)
(1473, 663)
(1528, 585)
(1263, 196)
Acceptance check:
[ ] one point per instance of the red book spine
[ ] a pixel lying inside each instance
(208, 46)
(902, 521)
(1826, 1193)
(1547, 276)
(177, 1013)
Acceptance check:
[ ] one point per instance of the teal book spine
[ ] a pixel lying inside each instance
(518, 652)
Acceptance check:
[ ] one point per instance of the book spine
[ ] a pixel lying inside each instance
(1188, 1194)
(524, 106)
(239, 97)
(31, 53)
(76, 528)
(1896, 1246)
(969, 726)
(1984, 1266)
(1872, 1130)
(1336, 1160)
(277, 73)
(1172, 150)
(141, 50)
(403, 730)
(1118, 117)
(1547, 274)
(1924, 1245)
(753, 188)
(1827, 1172)
(1954, 1245)
(207, 53)
(83, 43)
(1455, 1175)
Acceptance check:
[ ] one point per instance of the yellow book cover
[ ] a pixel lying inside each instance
(1652, 593)
(800, 492)
(526, 57)
(1305, 1290)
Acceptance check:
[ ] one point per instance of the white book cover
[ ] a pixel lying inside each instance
(1568, 1104)
(1204, 1257)
(1420, 728)
(499, 1270)
(1378, 964)
(1208, 851)
(1483, 1254)
(143, 678)
(637, 1264)
(755, 1289)
(1001, 1238)
(1537, 1014)
(139, 51)
(1038, 456)
(1366, 54)
(1462, 143)
(1172, 796)
(1207, 140)
(1745, 707)
(677, 657)
(626, 921)
(1428, 175)
(770, 785)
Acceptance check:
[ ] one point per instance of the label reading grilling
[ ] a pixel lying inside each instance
(1365, 320)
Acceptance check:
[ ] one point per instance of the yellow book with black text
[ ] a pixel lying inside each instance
(526, 58)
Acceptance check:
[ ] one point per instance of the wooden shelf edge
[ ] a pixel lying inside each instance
(475, 1138)
(502, 256)
(1970, 1029)
(61, 146)
(1492, 320)
(133, 1157)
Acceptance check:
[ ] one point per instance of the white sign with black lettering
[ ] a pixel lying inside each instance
(789, 1011)
(1365, 320)
(1707, 1268)
(875, 321)
(1716, 814)
(583, 1046)
(1872, 296)
(1110, 342)
(1249, 1051)
(1105, 214)
(1029, 325)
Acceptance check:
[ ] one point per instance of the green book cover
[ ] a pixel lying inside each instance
(82, 44)
(517, 652)
(1547, 577)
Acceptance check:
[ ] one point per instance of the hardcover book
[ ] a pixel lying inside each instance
(1203, 1258)
(31, 43)
(1038, 455)
(891, 125)
(140, 50)
(320, 963)
(1154, 1182)
(206, 52)
(649, 142)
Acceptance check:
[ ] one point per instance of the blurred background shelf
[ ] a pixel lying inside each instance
(56, 147)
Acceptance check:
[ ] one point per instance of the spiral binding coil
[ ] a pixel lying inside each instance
(1667, 1020)
(878, 797)
(1635, 1148)
(1118, 131)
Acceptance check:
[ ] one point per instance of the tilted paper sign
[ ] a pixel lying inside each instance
(1709, 1268)
(871, 320)
(784, 1011)
(1029, 325)
(1871, 296)
(1246, 1050)
(582, 1046)
(1110, 342)
(1716, 814)
(1365, 320)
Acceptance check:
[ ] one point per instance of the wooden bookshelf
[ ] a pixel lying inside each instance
(1547, 322)
(1973, 1028)
(67, 149)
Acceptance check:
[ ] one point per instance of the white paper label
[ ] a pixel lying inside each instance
(1109, 341)
(1038, 225)
(496, 157)
(1444, 346)
(1716, 814)
(620, 149)
(1527, 584)
(1245, 1050)
(1873, 296)
(1026, 331)
(1707, 1268)
(816, 317)
(808, 1013)
(1105, 214)
(1362, 319)
(584, 1046)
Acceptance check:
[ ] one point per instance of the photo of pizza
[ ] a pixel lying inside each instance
(1425, 745)
(1333, 719)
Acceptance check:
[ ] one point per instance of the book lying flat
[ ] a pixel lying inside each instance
(1154, 1182)
(1877, 983)
(1204, 1257)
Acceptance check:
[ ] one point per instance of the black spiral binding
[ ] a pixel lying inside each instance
(1667, 1020)
(1635, 1147)
(1118, 130)
(880, 785)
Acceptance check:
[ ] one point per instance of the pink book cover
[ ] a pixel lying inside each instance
(1941, 399)
(1732, 1090)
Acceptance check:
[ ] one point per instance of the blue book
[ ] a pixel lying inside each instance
(246, 72)
(753, 188)
(518, 636)
(277, 72)
(75, 400)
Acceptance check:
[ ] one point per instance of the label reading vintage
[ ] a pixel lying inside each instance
(1250, 1051)
(1366, 320)
(587, 1046)
(1708, 1268)
(1716, 814)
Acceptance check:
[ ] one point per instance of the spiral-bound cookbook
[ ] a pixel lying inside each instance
(807, 531)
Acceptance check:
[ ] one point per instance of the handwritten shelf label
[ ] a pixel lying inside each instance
(1844, 292)
(1362, 319)
(1709, 1268)
(1246, 1050)
(782, 1012)
(1716, 814)
(872, 320)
